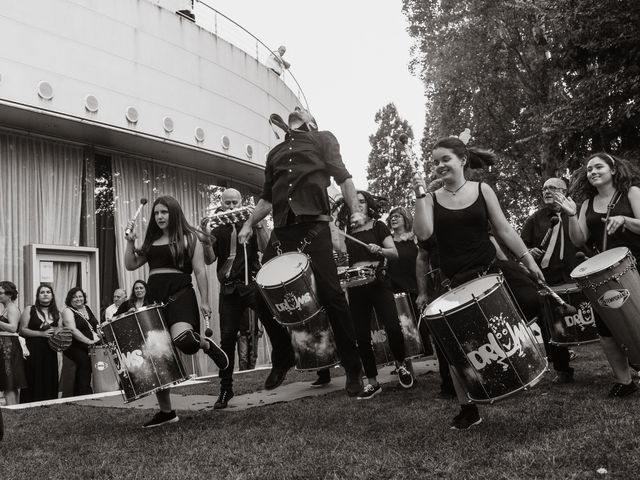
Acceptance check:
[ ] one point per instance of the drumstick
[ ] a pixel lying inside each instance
(354, 239)
(554, 221)
(143, 202)
(566, 308)
(207, 330)
(246, 265)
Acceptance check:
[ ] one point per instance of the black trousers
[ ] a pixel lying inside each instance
(80, 356)
(330, 294)
(234, 300)
(363, 300)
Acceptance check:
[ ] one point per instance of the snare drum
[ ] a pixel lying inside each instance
(313, 343)
(356, 275)
(104, 377)
(611, 282)
(486, 340)
(142, 352)
(288, 286)
(569, 330)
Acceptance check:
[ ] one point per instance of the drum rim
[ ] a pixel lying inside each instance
(556, 289)
(144, 308)
(461, 307)
(262, 285)
(577, 275)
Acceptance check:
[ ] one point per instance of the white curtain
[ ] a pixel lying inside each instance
(134, 179)
(40, 199)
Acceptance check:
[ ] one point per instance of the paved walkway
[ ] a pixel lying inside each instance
(284, 393)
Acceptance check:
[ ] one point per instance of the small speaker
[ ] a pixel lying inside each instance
(248, 149)
(45, 90)
(132, 115)
(199, 134)
(226, 143)
(167, 124)
(91, 103)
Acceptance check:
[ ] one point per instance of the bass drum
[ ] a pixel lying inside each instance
(569, 330)
(486, 339)
(142, 352)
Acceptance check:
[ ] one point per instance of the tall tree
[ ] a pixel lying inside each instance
(530, 79)
(390, 164)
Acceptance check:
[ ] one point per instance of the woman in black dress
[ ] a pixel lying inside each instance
(137, 299)
(37, 324)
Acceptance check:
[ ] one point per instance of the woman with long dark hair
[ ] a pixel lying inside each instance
(460, 215)
(377, 295)
(606, 181)
(37, 324)
(173, 252)
(137, 298)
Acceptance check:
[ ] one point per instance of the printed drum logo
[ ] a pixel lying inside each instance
(614, 298)
(292, 303)
(100, 366)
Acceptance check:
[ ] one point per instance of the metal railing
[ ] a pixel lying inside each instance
(224, 27)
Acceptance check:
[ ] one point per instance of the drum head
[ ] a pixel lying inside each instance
(282, 268)
(600, 262)
(463, 295)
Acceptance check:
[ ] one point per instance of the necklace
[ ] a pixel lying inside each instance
(453, 192)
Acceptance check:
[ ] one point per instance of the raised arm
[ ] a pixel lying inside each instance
(350, 196)
(578, 230)
(131, 260)
(423, 218)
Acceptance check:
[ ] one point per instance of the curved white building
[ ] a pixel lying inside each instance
(103, 103)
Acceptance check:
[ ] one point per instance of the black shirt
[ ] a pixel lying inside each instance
(376, 234)
(533, 232)
(623, 237)
(402, 272)
(298, 172)
(222, 249)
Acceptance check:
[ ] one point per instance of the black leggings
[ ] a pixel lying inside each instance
(362, 301)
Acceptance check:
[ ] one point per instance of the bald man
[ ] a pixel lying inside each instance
(119, 296)
(552, 249)
(236, 297)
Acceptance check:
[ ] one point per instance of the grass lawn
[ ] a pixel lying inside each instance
(551, 431)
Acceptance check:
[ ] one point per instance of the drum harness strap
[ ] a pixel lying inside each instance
(612, 204)
(306, 240)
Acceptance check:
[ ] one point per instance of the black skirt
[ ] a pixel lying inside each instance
(175, 290)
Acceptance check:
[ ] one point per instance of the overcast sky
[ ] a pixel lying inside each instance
(350, 57)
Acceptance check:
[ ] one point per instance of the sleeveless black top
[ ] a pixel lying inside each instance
(159, 256)
(36, 323)
(402, 272)
(620, 238)
(86, 326)
(463, 236)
